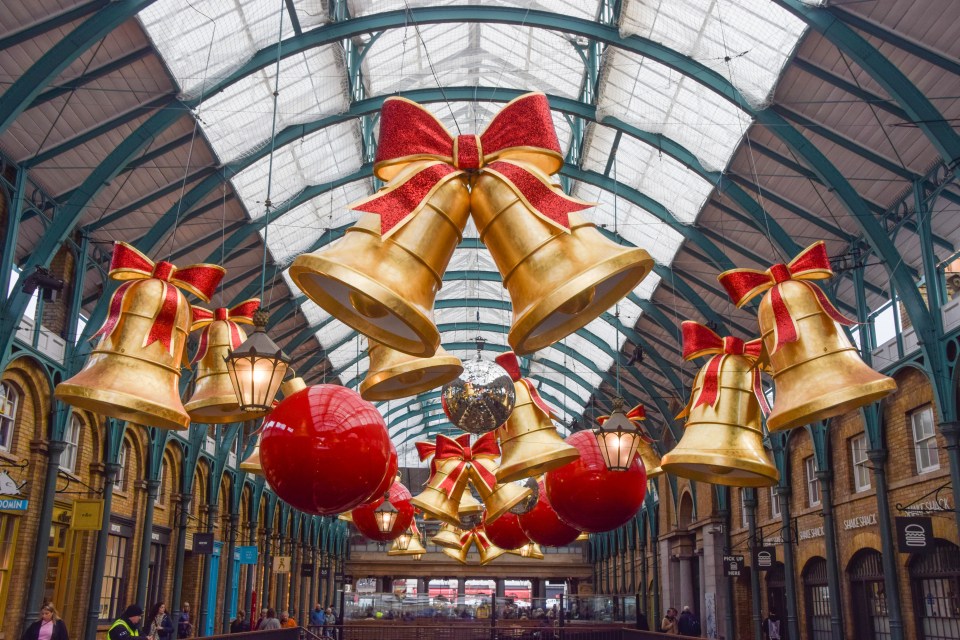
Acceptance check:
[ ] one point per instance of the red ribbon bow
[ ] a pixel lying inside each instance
(416, 155)
(508, 360)
(811, 264)
(636, 415)
(239, 314)
(129, 265)
(699, 341)
(477, 534)
(427, 449)
(450, 449)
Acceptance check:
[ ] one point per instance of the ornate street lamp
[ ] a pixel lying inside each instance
(386, 515)
(257, 368)
(618, 439)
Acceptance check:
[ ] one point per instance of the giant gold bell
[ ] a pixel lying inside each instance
(252, 462)
(441, 503)
(820, 375)
(394, 374)
(723, 443)
(123, 379)
(529, 443)
(447, 537)
(385, 288)
(650, 457)
(558, 281)
(413, 549)
(487, 550)
(459, 554)
(214, 400)
(501, 497)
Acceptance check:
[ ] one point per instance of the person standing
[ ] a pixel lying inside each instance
(771, 626)
(184, 626)
(270, 623)
(263, 616)
(127, 625)
(330, 623)
(48, 627)
(669, 623)
(240, 624)
(317, 617)
(161, 628)
(688, 624)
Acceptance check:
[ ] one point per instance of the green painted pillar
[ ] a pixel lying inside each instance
(789, 564)
(266, 565)
(657, 613)
(830, 542)
(231, 546)
(750, 506)
(643, 587)
(146, 539)
(633, 567)
(951, 433)
(878, 460)
(110, 471)
(252, 570)
(730, 611)
(202, 614)
(183, 519)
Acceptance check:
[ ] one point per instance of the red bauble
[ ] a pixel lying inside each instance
(588, 496)
(505, 531)
(324, 449)
(388, 478)
(543, 526)
(366, 523)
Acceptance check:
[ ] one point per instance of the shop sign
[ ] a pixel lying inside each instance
(160, 537)
(325, 572)
(7, 486)
(203, 543)
(87, 515)
(813, 532)
(930, 506)
(247, 554)
(914, 534)
(732, 566)
(764, 557)
(281, 564)
(777, 539)
(306, 570)
(860, 521)
(17, 505)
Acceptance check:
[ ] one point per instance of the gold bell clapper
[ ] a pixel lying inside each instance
(133, 373)
(529, 442)
(448, 479)
(394, 374)
(214, 400)
(817, 372)
(722, 442)
(648, 454)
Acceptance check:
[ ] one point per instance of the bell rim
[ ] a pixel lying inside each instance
(506, 505)
(428, 336)
(443, 516)
(523, 337)
(108, 403)
(537, 467)
(685, 467)
(437, 374)
(195, 409)
(829, 406)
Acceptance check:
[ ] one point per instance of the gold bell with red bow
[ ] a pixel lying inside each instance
(394, 374)
(498, 498)
(487, 550)
(133, 373)
(817, 372)
(448, 478)
(529, 442)
(722, 442)
(214, 400)
(648, 454)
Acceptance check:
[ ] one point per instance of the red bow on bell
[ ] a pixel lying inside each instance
(239, 314)
(479, 535)
(450, 449)
(508, 360)
(128, 264)
(519, 145)
(811, 264)
(636, 415)
(699, 341)
(427, 449)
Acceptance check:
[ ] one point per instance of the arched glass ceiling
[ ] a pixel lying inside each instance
(747, 42)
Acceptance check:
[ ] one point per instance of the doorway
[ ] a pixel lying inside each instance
(777, 595)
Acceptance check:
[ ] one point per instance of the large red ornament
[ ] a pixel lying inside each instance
(543, 526)
(365, 521)
(505, 531)
(388, 478)
(590, 497)
(324, 449)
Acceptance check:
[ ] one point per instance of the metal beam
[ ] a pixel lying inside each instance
(92, 74)
(49, 24)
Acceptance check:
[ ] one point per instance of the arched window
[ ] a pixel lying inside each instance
(9, 401)
(817, 599)
(869, 594)
(935, 583)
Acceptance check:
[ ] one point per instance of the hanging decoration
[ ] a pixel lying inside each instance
(413, 545)
(505, 532)
(648, 455)
(324, 449)
(441, 497)
(722, 442)
(529, 440)
(133, 373)
(257, 368)
(528, 503)
(251, 464)
(543, 526)
(447, 537)
(530, 550)
(817, 373)
(391, 476)
(478, 537)
(587, 495)
(394, 374)
(365, 516)
(481, 398)
(214, 399)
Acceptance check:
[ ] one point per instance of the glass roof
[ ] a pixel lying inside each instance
(746, 41)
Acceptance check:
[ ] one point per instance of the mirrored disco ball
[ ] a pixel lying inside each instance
(470, 520)
(481, 399)
(528, 503)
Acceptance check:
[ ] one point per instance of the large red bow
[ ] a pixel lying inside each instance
(129, 265)
(811, 264)
(508, 360)
(202, 318)
(477, 534)
(636, 415)
(450, 449)
(426, 449)
(699, 341)
(416, 155)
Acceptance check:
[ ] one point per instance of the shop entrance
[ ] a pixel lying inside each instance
(868, 594)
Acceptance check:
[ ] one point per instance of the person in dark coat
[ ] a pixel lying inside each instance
(159, 626)
(240, 624)
(127, 625)
(48, 627)
(688, 624)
